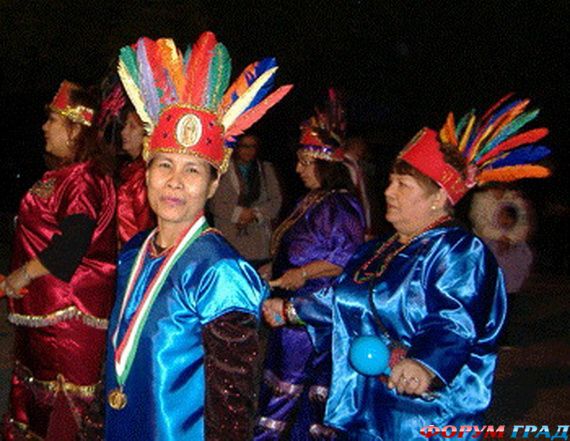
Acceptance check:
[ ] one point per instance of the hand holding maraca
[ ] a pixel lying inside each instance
(369, 355)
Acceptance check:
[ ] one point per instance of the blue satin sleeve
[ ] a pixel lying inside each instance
(315, 310)
(243, 290)
(462, 308)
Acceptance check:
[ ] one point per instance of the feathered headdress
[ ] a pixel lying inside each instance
(61, 104)
(182, 99)
(494, 148)
(322, 135)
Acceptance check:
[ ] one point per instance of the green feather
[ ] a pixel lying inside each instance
(462, 123)
(129, 59)
(510, 129)
(220, 71)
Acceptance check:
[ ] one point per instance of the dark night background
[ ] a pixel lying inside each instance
(401, 64)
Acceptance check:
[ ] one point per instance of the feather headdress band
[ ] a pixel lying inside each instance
(494, 148)
(322, 135)
(61, 104)
(183, 101)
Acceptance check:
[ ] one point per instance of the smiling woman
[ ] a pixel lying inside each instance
(178, 188)
(183, 334)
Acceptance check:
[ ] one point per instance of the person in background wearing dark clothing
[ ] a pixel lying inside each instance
(247, 202)
(310, 248)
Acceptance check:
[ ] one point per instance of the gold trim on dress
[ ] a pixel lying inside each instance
(38, 321)
(24, 431)
(60, 384)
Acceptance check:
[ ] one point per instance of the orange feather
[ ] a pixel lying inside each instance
(239, 86)
(447, 132)
(173, 63)
(512, 173)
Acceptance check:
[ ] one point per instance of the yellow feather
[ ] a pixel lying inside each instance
(467, 133)
(135, 96)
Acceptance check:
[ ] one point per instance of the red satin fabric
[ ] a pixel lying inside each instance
(66, 349)
(133, 211)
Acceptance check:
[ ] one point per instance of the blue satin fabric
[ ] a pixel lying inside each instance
(444, 298)
(165, 388)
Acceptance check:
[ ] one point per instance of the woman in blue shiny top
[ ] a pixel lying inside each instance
(183, 341)
(432, 292)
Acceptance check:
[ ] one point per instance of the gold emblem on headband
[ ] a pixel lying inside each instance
(188, 130)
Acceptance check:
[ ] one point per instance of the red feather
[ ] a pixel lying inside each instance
(155, 62)
(198, 68)
(495, 106)
(247, 119)
(524, 138)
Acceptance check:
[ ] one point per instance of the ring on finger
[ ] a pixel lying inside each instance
(414, 379)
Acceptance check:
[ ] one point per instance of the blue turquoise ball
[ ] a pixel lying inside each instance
(369, 355)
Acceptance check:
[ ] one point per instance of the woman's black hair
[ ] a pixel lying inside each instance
(334, 176)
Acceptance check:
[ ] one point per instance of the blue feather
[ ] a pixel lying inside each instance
(261, 67)
(499, 113)
(187, 55)
(523, 155)
(264, 65)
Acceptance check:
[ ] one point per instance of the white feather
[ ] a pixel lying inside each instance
(238, 107)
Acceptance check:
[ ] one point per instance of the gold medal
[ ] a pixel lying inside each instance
(117, 399)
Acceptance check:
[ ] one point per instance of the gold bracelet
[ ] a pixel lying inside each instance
(291, 314)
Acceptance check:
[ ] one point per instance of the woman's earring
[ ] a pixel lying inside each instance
(433, 207)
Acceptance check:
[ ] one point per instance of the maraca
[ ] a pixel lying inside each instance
(369, 356)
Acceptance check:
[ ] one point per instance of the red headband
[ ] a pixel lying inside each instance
(424, 154)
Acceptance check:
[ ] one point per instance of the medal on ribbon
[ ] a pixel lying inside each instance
(126, 349)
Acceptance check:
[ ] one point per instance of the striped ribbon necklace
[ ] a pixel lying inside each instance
(126, 349)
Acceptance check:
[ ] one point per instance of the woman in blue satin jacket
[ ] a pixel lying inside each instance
(432, 292)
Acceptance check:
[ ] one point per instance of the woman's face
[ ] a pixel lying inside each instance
(178, 187)
(246, 150)
(307, 170)
(132, 135)
(409, 206)
(59, 136)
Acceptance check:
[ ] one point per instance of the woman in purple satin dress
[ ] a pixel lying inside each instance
(310, 248)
